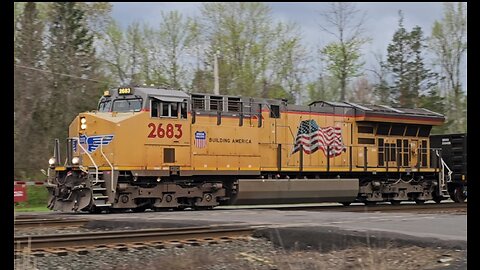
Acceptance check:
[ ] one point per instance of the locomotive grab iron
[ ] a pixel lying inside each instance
(149, 148)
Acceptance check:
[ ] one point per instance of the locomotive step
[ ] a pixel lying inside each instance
(103, 205)
(99, 197)
(98, 181)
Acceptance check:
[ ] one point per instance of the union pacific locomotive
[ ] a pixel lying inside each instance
(149, 148)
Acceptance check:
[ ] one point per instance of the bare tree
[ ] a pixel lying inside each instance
(381, 88)
(448, 42)
(345, 22)
(114, 53)
(174, 40)
(362, 91)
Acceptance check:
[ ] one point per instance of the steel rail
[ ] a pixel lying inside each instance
(372, 208)
(29, 223)
(130, 236)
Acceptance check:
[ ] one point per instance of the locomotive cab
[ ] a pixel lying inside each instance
(133, 130)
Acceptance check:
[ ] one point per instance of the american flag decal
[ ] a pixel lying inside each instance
(311, 137)
(200, 139)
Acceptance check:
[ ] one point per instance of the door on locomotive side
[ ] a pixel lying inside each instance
(414, 153)
(391, 152)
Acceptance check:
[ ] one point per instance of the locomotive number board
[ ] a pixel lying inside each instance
(124, 91)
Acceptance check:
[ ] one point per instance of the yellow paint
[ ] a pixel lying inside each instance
(140, 141)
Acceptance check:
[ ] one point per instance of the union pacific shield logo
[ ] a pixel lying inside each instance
(200, 139)
(92, 142)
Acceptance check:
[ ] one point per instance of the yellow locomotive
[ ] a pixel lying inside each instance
(149, 148)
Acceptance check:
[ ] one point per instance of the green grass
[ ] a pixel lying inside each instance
(32, 209)
(37, 199)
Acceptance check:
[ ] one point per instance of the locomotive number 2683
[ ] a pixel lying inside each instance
(170, 131)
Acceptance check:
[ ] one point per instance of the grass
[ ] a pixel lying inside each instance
(37, 199)
(31, 209)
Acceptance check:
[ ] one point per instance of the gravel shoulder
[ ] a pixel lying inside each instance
(255, 253)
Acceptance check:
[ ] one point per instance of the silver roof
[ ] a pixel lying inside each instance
(161, 92)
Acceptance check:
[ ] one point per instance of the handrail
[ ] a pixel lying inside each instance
(48, 179)
(442, 174)
(446, 166)
(91, 159)
(110, 164)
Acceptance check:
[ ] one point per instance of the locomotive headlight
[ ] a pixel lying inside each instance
(51, 161)
(75, 160)
(83, 122)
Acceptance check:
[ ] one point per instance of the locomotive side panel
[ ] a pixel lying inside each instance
(224, 147)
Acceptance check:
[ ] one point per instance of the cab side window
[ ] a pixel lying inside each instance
(183, 110)
(154, 106)
(159, 108)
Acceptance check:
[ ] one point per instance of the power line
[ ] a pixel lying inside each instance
(57, 73)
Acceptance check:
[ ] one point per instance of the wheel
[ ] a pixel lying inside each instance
(458, 196)
(368, 203)
(395, 202)
(346, 203)
(420, 201)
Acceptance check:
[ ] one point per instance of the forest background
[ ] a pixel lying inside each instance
(67, 54)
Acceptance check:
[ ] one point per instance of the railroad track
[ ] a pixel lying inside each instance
(25, 223)
(376, 208)
(152, 236)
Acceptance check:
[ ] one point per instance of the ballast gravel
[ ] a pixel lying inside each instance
(252, 253)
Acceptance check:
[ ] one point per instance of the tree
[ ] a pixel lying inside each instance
(29, 88)
(173, 39)
(56, 75)
(343, 55)
(405, 62)
(70, 51)
(255, 54)
(135, 47)
(448, 43)
(114, 53)
(381, 88)
(324, 88)
(434, 102)
(362, 91)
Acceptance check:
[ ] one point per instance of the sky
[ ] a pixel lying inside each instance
(380, 25)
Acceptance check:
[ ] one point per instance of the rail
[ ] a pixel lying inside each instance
(109, 164)
(441, 177)
(91, 159)
(128, 236)
(31, 223)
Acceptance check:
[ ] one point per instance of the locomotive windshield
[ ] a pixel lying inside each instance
(105, 106)
(127, 105)
(120, 105)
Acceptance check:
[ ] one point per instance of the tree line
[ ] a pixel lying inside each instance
(67, 54)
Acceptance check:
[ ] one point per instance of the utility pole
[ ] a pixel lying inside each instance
(216, 89)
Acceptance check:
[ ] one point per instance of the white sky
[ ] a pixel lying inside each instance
(381, 23)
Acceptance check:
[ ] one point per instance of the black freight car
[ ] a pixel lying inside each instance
(454, 153)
